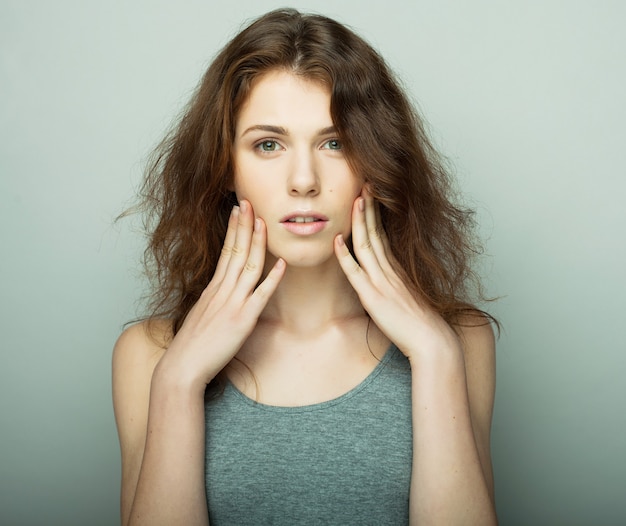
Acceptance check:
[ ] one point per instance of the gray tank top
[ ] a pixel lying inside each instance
(345, 461)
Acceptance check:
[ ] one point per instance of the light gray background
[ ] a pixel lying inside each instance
(525, 98)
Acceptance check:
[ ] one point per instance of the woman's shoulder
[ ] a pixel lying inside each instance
(476, 334)
(138, 349)
(477, 338)
(135, 356)
(475, 330)
(479, 352)
(149, 337)
(146, 340)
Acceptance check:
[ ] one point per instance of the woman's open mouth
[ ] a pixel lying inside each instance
(304, 224)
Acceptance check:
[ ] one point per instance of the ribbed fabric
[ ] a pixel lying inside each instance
(342, 462)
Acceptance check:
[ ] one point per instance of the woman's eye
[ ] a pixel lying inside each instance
(268, 146)
(333, 144)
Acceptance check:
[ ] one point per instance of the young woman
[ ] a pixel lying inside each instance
(313, 356)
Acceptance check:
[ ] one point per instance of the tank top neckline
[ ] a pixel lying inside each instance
(391, 351)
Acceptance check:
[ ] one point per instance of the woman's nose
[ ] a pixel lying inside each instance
(303, 179)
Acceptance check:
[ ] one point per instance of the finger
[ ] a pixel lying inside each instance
(360, 239)
(391, 262)
(377, 236)
(241, 246)
(227, 247)
(253, 268)
(357, 277)
(383, 233)
(266, 288)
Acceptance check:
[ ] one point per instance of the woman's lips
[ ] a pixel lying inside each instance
(304, 223)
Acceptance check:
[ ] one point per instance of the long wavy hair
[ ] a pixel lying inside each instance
(186, 197)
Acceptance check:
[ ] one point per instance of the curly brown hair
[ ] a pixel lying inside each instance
(186, 193)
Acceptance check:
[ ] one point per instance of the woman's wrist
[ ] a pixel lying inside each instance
(171, 376)
(438, 350)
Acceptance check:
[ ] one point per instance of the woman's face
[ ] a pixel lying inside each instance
(290, 165)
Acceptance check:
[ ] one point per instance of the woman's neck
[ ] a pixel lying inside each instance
(309, 299)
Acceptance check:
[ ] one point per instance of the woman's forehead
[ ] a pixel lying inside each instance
(283, 99)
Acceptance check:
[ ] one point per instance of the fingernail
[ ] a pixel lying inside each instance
(361, 204)
(340, 240)
(235, 210)
(244, 206)
(257, 225)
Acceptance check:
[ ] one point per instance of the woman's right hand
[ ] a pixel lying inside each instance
(229, 307)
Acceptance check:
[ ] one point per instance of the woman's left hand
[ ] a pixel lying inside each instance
(411, 325)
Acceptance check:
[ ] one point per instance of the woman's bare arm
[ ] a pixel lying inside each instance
(168, 467)
(159, 394)
(452, 381)
(452, 394)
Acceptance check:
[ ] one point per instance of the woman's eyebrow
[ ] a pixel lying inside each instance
(279, 130)
(329, 130)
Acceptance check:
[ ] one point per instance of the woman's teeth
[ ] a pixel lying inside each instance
(302, 220)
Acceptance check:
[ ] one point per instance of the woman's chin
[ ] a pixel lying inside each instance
(303, 259)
